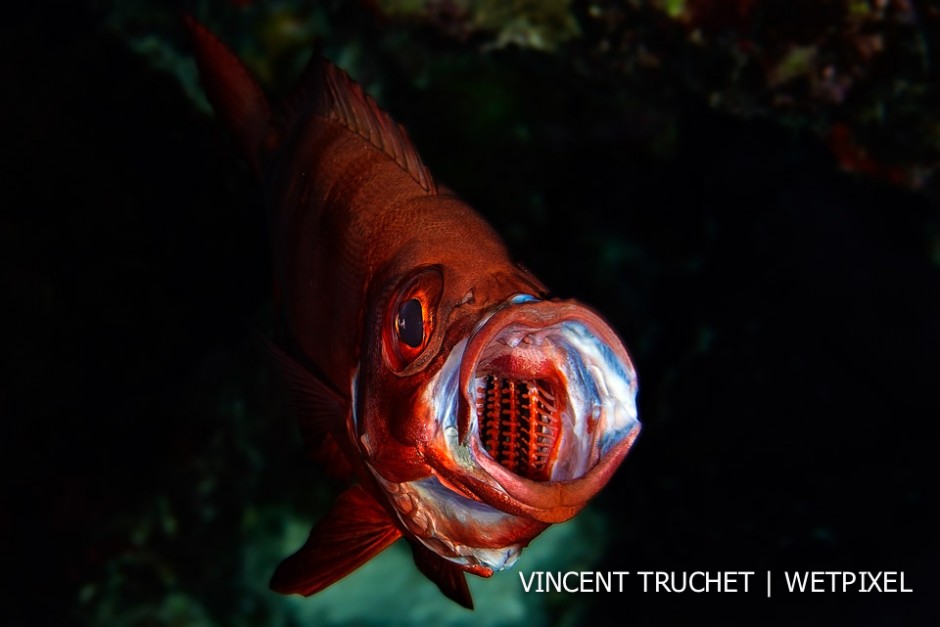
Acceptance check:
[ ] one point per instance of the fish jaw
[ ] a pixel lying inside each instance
(472, 534)
(581, 420)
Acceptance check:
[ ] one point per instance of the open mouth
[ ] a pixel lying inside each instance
(535, 410)
(550, 390)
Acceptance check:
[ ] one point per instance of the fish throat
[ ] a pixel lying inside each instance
(519, 424)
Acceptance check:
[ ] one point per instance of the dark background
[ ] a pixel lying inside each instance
(783, 315)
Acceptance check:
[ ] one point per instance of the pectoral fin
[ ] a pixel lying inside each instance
(449, 577)
(356, 530)
(321, 412)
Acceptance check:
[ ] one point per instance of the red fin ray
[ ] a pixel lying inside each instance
(324, 89)
(235, 96)
(321, 412)
(448, 577)
(334, 95)
(357, 529)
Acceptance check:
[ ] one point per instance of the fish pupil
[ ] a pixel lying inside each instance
(519, 425)
(410, 323)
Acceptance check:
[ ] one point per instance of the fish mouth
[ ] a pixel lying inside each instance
(538, 408)
(519, 421)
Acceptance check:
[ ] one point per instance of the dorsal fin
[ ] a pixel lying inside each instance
(326, 90)
(236, 97)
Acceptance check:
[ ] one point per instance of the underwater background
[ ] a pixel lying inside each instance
(747, 190)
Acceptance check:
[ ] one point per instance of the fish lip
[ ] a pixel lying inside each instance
(556, 501)
(533, 314)
(553, 500)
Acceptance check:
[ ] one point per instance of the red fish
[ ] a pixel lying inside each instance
(468, 409)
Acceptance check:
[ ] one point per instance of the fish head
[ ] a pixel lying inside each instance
(486, 406)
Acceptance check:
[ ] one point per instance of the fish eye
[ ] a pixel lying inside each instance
(410, 323)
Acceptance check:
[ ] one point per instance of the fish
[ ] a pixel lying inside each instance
(466, 407)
